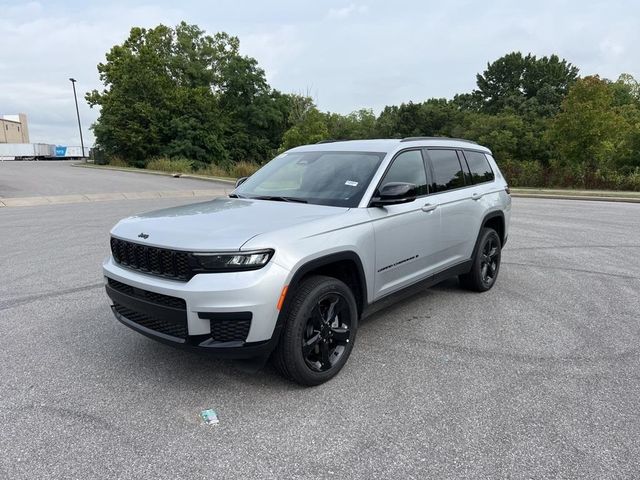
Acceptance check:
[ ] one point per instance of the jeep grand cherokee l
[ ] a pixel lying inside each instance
(288, 263)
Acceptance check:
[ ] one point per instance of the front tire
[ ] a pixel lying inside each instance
(486, 263)
(319, 333)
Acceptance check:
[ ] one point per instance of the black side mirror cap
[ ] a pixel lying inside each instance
(393, 193)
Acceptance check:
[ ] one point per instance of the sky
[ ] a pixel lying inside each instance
(347, 55)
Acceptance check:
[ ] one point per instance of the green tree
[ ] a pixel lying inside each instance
(524, 84)
(356, 125)
(181, 93)
(306, 123)
(434, 117)
(257, 116)
(501, 133)
(589, 130)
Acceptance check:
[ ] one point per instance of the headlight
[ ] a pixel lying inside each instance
(225, 262)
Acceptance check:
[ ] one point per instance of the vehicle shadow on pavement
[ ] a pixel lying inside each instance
(191, 370)
(394, 302)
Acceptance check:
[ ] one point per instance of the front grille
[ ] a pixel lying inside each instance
(157, 261)
(160, 299)
(178, 330)
(230, 330)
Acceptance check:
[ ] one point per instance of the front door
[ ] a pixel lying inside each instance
(407, 234)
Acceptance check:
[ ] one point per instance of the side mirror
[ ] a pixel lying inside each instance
(240, 181)
(394, 192)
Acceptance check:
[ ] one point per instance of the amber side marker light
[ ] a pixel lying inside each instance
(282, 296)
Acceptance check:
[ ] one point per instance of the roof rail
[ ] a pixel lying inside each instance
(411, 139)
(330, 140)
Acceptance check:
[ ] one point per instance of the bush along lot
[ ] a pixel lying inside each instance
(179, 100)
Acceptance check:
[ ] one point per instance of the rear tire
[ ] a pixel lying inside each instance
(486, 263)
(319, 332)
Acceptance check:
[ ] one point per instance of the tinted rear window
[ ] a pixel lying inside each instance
(479, 167)
(447, 173)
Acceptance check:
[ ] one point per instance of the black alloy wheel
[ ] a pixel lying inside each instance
(489, 261)
(320, 324)
(485, 265)
(326, 335)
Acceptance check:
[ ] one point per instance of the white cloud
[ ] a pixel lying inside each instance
(42, 46)
(276, 50)
(347, 11)
(350, 55)
(612, 48)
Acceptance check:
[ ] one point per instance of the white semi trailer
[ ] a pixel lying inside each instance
(40, 151)
(26, 151)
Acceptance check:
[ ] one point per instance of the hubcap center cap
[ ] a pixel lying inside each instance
(325, 331)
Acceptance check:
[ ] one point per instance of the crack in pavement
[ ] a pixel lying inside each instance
(16, 302)
(561, 247)
(103, 197)
(568, 269)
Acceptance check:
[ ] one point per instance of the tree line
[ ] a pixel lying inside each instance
(177, 98)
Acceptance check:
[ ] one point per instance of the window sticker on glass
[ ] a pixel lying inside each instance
(351, 183)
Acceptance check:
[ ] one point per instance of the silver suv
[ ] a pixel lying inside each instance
(287, 264)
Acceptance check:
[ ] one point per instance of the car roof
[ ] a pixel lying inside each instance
(388, 145)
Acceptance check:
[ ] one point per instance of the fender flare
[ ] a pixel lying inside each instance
(313, 264)
(487, 217)
(326, 260)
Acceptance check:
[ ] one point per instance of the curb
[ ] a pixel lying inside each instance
(105, 197)
(591, 198)
(514, 191)
(157, 172)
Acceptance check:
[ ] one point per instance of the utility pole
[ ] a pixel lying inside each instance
(75, 97)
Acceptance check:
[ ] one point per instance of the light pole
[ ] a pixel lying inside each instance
(75, 97)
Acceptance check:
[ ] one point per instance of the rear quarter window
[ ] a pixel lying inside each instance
(479, 167)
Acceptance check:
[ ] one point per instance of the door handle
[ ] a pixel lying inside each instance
(476, 196)
(429, 207)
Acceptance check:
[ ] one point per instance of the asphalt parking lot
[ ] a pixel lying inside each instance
(538, 378)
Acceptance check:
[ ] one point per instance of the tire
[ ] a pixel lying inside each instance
(486, 263)
(319, 331)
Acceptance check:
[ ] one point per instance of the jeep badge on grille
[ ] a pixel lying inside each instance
(143, 235)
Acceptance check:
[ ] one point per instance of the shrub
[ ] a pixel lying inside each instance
(117, 161)
(164, 164)
(523, 174)
(243, 169)
(213, 170)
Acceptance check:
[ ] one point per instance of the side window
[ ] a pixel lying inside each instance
(447, 173)
(479, 166)
(408, 167)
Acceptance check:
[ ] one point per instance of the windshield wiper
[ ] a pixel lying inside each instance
(235, 195)
(280, 199)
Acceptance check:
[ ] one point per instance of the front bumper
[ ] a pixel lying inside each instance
(227, 314)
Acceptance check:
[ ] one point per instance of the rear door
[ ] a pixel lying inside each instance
(407, 234)
(460, 210)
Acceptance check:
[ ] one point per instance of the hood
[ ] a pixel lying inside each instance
(220, 224)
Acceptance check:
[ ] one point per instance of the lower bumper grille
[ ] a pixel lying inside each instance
(228, 326)
(230, 330)
(153, 297)
(174, 329)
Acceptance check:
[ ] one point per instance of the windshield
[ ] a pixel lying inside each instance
(338, 179)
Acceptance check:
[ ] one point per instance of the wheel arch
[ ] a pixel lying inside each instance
(345, 266)
(493, 220)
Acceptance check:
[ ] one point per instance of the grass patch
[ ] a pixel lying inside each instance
(117, 161)
(186, 166)
(163, 164)
(213, 170)
(243, 169)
